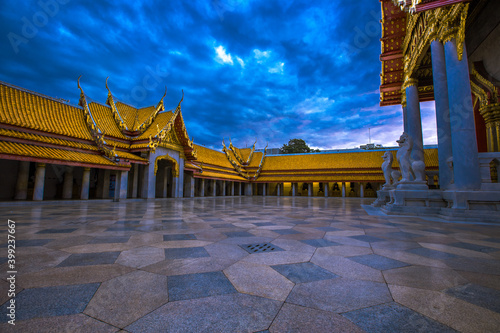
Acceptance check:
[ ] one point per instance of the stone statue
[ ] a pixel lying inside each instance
(395, 176)
(403, 156)
(387, 169)
(409, 168)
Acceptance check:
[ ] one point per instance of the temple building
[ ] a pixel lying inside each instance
(446, 51)
(52, 150)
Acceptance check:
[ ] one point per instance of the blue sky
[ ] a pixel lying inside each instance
(266, 70)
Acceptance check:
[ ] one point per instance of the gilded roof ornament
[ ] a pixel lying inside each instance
(251, 153)
(261, 163)
(235, 165)
(159, 107)
(236, 153)
(94, 130)
(116, 115)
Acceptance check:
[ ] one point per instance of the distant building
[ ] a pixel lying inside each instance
(51, 149)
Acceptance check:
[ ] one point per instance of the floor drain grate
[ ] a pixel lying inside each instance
(259, 248)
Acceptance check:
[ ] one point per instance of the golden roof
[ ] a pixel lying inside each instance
(329, 161)
(105, 121)
(53, 154)
(34, 111)
(214, 157)
(128, 114)
(211, 174)
(158, 124)
(47, 139)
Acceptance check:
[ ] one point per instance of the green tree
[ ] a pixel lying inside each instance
(295, 146)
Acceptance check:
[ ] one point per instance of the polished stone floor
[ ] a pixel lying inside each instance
(247, 264)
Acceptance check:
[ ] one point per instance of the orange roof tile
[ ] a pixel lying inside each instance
(33, 111)
(19, 149)
(103, 116)
(128, 114)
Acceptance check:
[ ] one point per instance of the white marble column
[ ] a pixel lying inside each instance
(68, 183)
(22, 181)
(310, 190)
(39, 182)
(278, 189)
(343, 189)
(191, 186)
(103, 184)
(442, 107)
(180, 188)
(414, 120)
(405, 119)
(466, 173)
(325, 189)
(294, 189)
(175, 187)
(135, 181)
(123, 184)
(202, 187)
(149, 182)
(223, 183)
(248, 189)
(165, 182)
(361, 190)
(214, 188)
(84, 194)
(233, 185)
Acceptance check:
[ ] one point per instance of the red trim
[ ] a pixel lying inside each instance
(231, 180)
(436, 4)
(69, 163)
(48, 134)
(49, 145)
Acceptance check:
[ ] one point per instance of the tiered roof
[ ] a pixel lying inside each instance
(360, 166)
(40, 128)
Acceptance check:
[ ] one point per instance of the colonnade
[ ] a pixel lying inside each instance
(102, 188)
(212, 188)
(457, 144)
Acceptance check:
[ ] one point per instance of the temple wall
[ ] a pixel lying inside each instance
(483, 38)
(8, 178)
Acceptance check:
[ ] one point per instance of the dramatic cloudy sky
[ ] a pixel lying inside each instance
(269, 70)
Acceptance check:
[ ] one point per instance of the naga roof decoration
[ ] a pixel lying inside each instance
(234, 163)
(116, 115)
(257, 173)
(251, 153)
(159, 107)
(174, 132)
(235, 152)
(182, 134)
(97, 135)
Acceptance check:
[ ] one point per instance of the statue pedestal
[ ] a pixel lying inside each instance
(472, 205)
(413, 186)
(383, 197)
(415, 202)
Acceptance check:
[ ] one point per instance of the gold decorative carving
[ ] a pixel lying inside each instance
(261, 163)
(94, 130)
(159, 107)
(443, 24)
(251, 153)
(116, 115)
(233, 162)
(175, 165)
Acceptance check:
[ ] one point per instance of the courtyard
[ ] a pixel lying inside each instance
(247, 264)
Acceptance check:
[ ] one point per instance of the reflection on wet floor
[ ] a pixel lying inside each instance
(185, 265)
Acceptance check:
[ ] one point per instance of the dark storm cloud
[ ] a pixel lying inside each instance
(266, 70)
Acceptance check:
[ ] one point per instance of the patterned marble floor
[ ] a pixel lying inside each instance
(247, 264)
